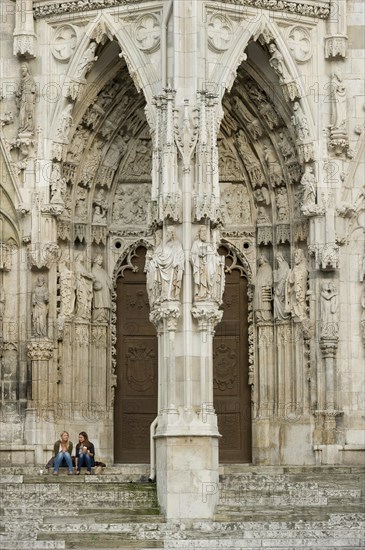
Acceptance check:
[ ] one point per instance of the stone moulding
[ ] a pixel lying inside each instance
(309, 8)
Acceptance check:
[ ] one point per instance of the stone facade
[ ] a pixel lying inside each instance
(183, 127)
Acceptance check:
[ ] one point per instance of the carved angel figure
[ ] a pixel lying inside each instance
(26, 96)
(40, 299)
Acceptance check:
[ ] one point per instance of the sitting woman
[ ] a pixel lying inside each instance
(62, 454)
(85, 453)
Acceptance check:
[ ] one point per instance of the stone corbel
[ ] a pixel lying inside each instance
(25, 40)
(335, 47)
(43, 256)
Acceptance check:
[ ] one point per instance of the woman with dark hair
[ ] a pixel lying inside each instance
(85, 453)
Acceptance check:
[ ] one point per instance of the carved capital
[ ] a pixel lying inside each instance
(207, 314)
(329, 345)
(166, 315)
(41, 350)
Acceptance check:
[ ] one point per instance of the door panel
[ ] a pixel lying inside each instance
(136, 393)
(232, 393)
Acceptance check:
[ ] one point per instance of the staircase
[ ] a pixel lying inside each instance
(260, 507)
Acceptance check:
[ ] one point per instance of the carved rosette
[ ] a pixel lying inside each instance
(208, 316)
(41, 350)
(147, 32)
(166, 315)
(220, 33)
(335, 46)
(64, 42)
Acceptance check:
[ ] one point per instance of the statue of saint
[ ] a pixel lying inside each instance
(2, 311)
(329, 307)
(67, 290)
(280, 290)
(65, 124)
(40, 299)
(339, 110)
(207, 266)
(102, 287)
(26, 99)
(84, 289)
(165, 269)
(300, 122)
(297, 286)
(309, 184)
(263, 290)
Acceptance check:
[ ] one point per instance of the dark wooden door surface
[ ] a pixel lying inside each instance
(136, 393)
(232, 394)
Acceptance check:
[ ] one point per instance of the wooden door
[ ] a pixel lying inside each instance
(136, 393)
(232, 394)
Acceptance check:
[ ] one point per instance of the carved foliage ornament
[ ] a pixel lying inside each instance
(310, 10)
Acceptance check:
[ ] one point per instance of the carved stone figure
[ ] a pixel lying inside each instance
(297, 286)
(87, 61)
(250, 161)
(26, 96)
(58, 185)
(67, 290)
(252, 123)
(262, 217)
(273, 166)
(281, 310)
(84, 289)
(165, 270)
(207, 266)
(363, 315)
(81, 204)
(277, 63)
(263, 290)
(40, 299)
(339, 111)
(99, 215)
(329, 307)
(236, 205)
(65, 123)
(300, 122)
(285, 147)
(102, 287)
(2, 311)
(282, 204)
(309, 184)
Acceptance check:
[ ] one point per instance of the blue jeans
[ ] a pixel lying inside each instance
(59, 458)
(84, 459)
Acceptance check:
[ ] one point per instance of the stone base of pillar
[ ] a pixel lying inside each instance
(187, 476)
(39, 432)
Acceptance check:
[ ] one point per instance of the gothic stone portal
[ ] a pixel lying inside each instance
(137, 367)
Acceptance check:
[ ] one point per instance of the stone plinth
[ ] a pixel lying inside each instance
(187, 476)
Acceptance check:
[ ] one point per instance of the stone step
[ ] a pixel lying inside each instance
(103, 540)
